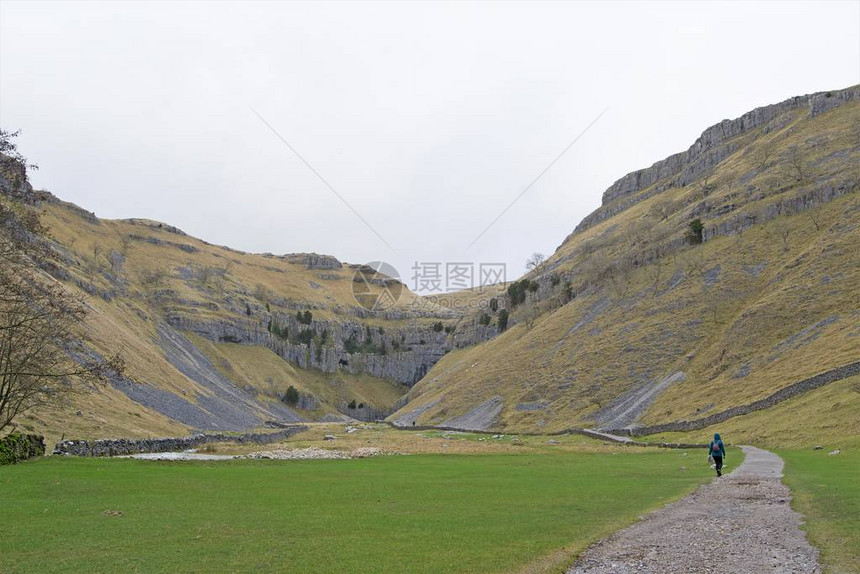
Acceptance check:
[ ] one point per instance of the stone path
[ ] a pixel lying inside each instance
(739, 523)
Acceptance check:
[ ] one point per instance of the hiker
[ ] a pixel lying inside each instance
(717, 451)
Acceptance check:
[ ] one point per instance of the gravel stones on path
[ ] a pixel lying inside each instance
(739, 523)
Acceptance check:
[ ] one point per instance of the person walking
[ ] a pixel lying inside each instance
(717, 451)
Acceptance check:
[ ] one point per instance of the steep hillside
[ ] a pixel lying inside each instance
(644, 316)
(213, 337)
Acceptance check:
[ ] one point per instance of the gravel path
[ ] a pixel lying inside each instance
(739, 523)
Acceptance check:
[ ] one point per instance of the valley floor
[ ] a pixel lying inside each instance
(432, 501)
(513, 504)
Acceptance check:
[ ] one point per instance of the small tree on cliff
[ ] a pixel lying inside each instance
(535, 261)
(694, 233)
(43, 359)
(292, 396)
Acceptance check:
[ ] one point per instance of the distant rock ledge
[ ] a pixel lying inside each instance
(313, 260)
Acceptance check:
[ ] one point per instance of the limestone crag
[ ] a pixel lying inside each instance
(712, 147)
(313, 260)
(402, 354)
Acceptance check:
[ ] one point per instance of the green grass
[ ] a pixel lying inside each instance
(826, 490)
(423, 513)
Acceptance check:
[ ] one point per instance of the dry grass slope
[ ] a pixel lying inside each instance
(742, 315)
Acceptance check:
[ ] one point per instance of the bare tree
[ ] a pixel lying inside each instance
(661, 209)
(797, 163)
(535, 261)
(730, 183)
(153, 278)
(618, 276)
(14, 177)
(783, 230)
(528, 315)
(43, 359)
(691, 264)
(263, 294)
(762, 156)
(654, 273)
(815, 221)
(705, 187)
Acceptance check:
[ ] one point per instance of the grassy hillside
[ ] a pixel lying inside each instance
(710, 280)
(264, 373)
(174, 304)
(628, 307)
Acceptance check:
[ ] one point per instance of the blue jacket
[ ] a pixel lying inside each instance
(719, 442)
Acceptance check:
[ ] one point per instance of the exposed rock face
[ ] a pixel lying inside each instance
(410, 418)
(13, 178)
(628, 408)
(712, 147)
(155, 225)
(221, 406)
(313, 260)
(402, 354)
(481, 417)
(365, 413)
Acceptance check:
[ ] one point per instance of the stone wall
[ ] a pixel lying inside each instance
(765, 403)
(18, 447)
(585, 432)
(122, 446)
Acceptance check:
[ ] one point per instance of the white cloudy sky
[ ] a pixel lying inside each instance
(428, 118)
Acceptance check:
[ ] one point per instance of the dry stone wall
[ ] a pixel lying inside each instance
(123, 446)
(19, 447)
(781, 395)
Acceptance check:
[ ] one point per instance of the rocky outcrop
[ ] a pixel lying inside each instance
(155, 225)
(787, 206)
(123, 447)
(403, 354)
(713, 146)
(313, 260)
(156, 241)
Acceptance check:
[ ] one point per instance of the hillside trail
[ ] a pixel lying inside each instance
(739, 523)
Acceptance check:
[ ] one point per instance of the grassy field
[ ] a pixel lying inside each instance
(419, 513)
(827, 491)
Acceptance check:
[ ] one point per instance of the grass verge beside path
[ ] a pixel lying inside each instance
(421, 513)
(826, 490)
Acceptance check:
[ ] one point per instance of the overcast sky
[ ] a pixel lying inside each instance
(427, 118)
